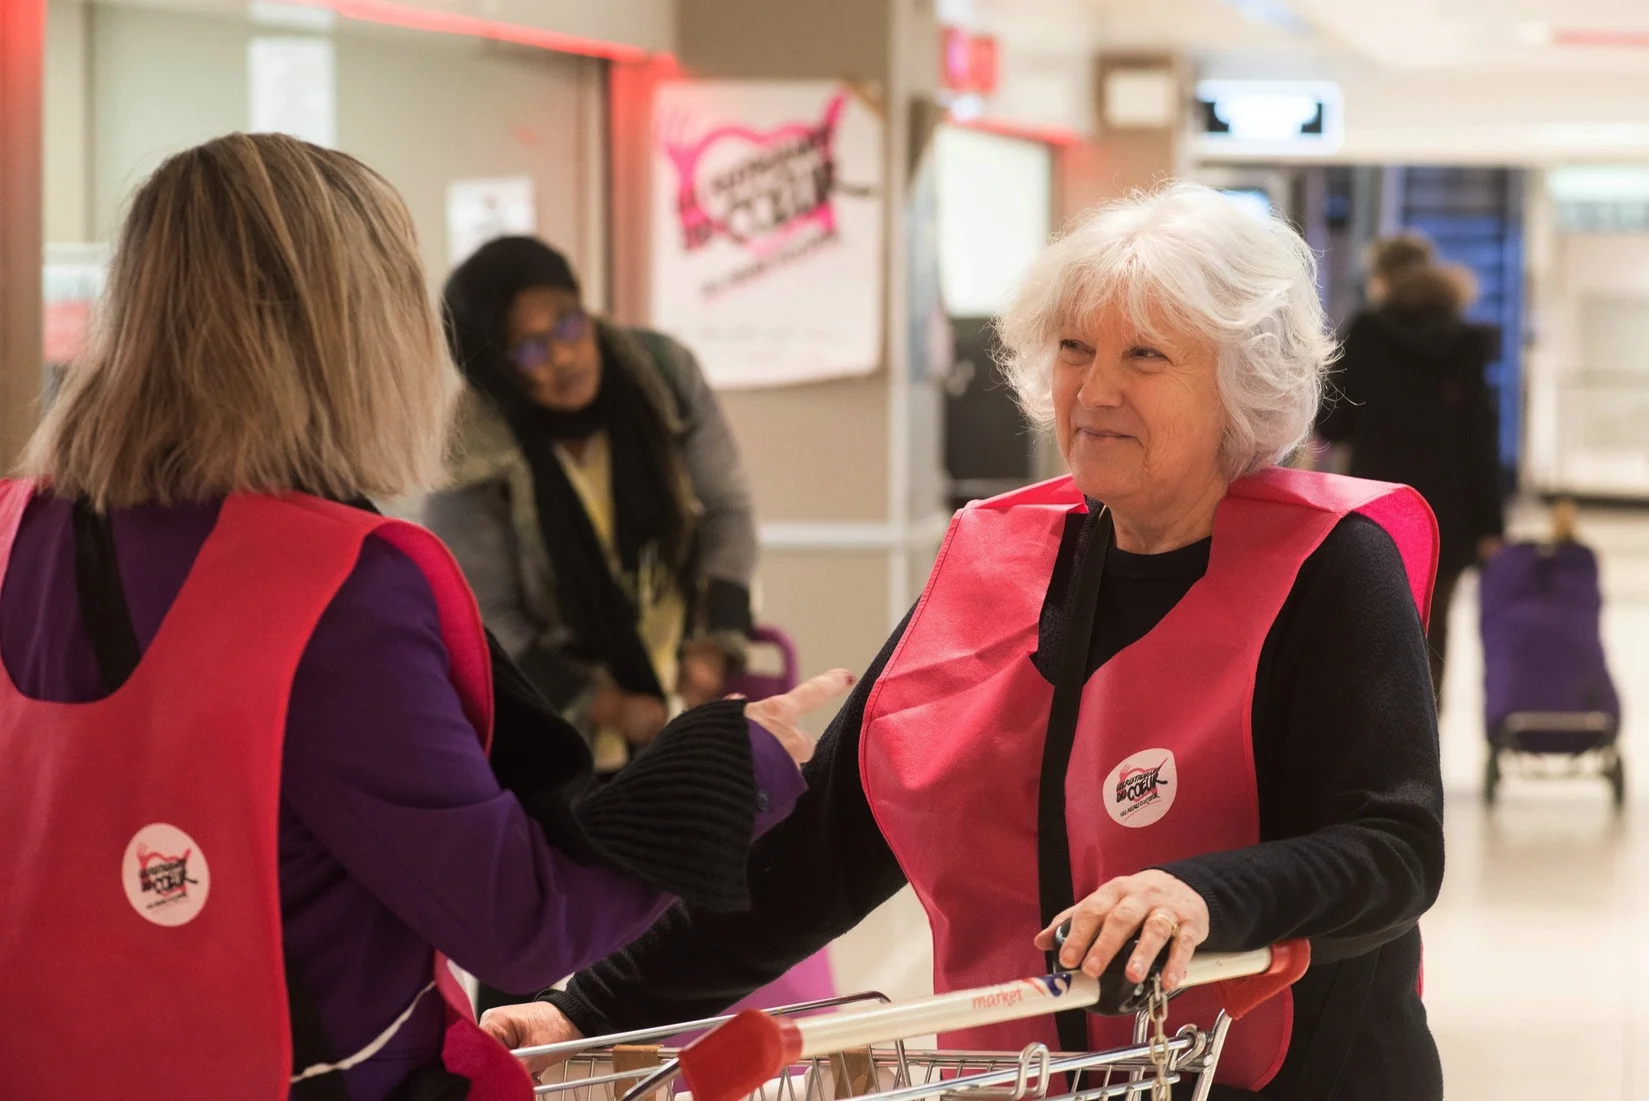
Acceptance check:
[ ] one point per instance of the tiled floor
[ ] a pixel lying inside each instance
(1538, 951)
(1537, 955)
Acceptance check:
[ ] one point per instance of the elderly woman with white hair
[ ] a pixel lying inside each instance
(1180, 696)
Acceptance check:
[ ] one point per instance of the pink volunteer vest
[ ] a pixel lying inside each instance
(142, 942)
(1163, 764)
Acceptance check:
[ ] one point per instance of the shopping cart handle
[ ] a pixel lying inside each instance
(1119, 996)
(733, 1061)
(1242, 995)
(1244, 980)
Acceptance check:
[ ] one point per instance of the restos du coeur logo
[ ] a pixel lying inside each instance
(165, 875)
(1141, 789)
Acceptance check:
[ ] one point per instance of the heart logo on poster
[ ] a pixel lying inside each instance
(756, 188)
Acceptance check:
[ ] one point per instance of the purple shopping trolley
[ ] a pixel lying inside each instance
(759, 686)
(1548, 696)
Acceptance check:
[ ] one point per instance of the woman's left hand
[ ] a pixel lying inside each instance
(1155, 904)
(781, 716)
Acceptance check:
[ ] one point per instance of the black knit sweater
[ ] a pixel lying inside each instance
(679, 817)
(1350, 795)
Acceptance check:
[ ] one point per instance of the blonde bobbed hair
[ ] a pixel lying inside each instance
(265, 327)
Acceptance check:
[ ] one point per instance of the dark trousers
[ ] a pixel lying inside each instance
(1438, 636)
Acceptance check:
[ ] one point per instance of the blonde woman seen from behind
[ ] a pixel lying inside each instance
(244, 719)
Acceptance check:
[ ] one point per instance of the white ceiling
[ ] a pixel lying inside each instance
(1178, 25)
(1465, 80)
(1466, 36)
(1485, 35)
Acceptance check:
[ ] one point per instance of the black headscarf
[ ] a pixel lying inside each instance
(596, 609)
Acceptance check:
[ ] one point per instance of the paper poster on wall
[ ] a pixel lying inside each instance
(767, 229)
(292, 87)
(71, 284)
(480, 210)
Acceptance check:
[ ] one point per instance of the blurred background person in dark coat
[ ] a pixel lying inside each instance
(1412, 403)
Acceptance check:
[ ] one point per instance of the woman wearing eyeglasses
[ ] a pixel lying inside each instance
(598, 506)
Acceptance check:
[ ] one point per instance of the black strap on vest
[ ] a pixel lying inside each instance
(1053, 843)
(103, 611)
(107, 620)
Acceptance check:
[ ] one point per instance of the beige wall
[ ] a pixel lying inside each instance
(1106, 166)
(1119, 159)
(802, 472)
(615, 26)
(424, 109)
(158, 82)
(430, 110)
(68, 122)
(837, 467)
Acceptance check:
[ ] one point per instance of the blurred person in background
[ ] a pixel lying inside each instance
(1389, 257)
(598, 506)
(1181, 694)
(217, 658)
(1411, 401)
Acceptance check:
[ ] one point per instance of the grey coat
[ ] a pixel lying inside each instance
(488, 516)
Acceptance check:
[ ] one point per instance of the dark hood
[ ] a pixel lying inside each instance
(1434, 340)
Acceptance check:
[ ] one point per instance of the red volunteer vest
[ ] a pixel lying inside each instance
(142, 939)
(1163, 764)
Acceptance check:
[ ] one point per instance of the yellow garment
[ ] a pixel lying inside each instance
(660, 604)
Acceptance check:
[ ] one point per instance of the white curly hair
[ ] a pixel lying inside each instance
(1184, 256)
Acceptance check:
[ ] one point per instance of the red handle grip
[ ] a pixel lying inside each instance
(1289, 961)
(733, 1061)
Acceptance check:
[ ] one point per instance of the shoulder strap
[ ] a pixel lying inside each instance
(103, 611)
(1053, 842)
(107, 621)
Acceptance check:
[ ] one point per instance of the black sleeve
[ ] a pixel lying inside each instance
(812, 878)
(1345, 745)
(678, 818)
(561, 679)
(727, 607)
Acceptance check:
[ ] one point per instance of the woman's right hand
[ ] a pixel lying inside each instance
(531, 1025)
(779, 715)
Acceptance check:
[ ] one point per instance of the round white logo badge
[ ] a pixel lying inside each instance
(1141, 789)
(165, 875)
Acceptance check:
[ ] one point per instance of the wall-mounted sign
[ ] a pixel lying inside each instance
(1605, 198)
(1269, 117)
(480, 210)
(970, 62)
(767, 229)
(292, 87)
(71, 285)
(1142, 98)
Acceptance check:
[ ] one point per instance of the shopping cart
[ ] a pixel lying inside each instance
(858, 1051)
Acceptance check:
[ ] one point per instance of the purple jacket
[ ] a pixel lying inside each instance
(395, 839)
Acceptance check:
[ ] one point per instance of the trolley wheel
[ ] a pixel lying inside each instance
(1491, 778)
(1617, 780)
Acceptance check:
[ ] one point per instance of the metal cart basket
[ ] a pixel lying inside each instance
(641, 1066)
